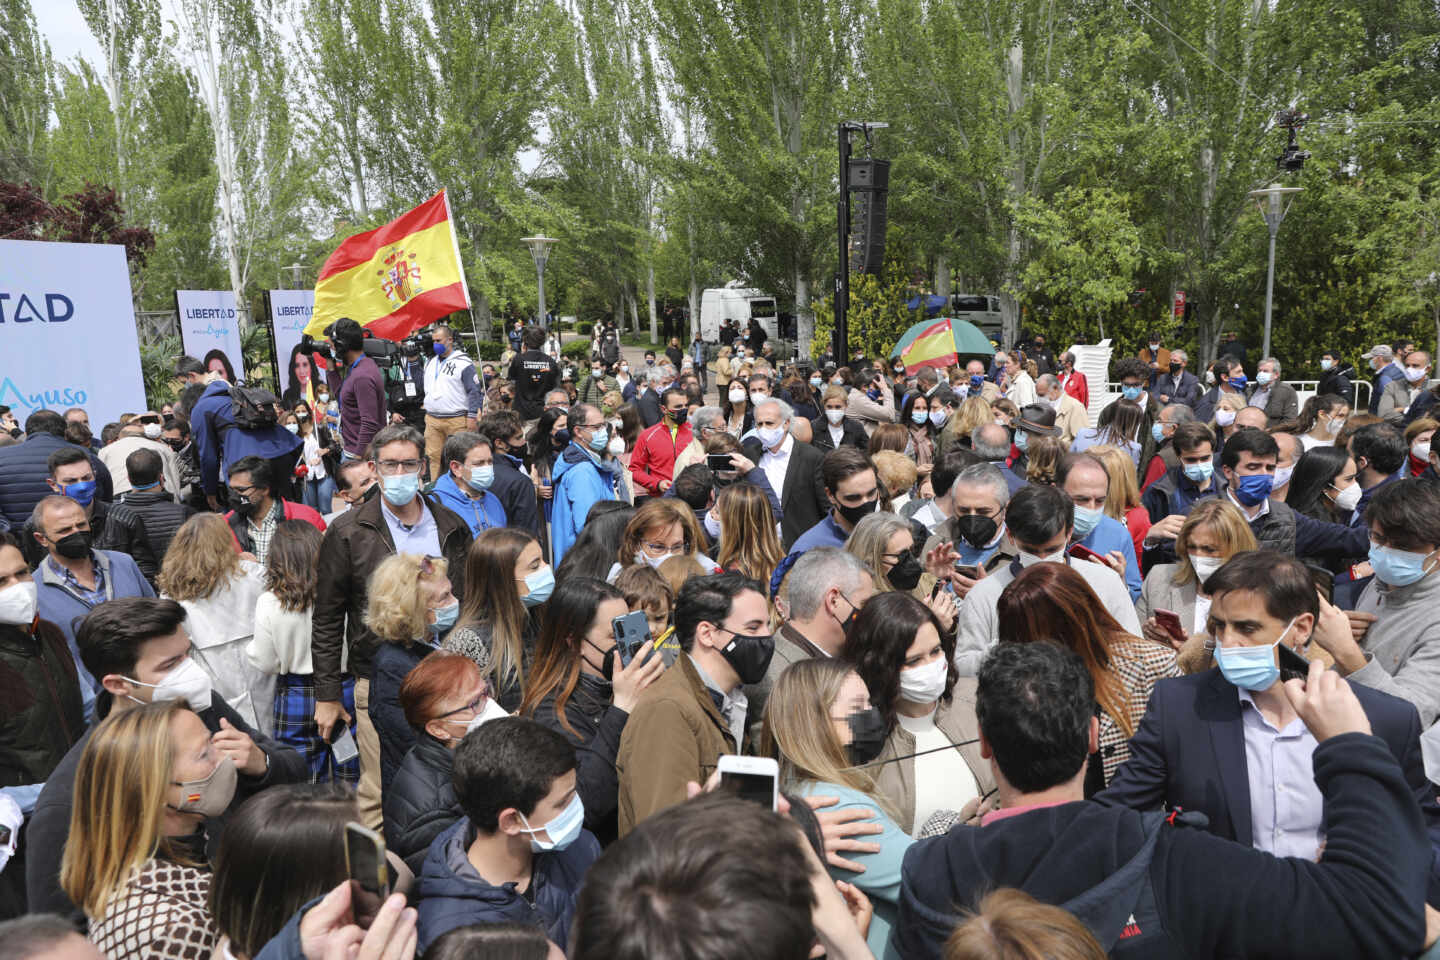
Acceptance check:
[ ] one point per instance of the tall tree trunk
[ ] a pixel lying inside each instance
(650, 297)
(804, 317)
(942, 276)
(634, 308)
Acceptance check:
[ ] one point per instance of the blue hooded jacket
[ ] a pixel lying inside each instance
(451, 893)
(479, 515)
(579, 484)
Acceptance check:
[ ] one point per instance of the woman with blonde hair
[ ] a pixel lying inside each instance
(663, 527)
(1010, 924)
(1223, 423)
(506, 579)
(409, 606)
(898, 475)
(219, 589)
(745, 529)
(1214, 531)
(134, 860)
(1043, 456)
(1123, 500)
(820, 725)
(723, 372)
(974, 412)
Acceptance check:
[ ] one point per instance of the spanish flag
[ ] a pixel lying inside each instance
(394, 279)
(933, 346)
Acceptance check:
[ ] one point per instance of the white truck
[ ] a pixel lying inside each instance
(741, 304)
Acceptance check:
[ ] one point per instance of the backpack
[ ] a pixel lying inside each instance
(252, 408)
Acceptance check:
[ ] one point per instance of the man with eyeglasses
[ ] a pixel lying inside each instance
(586, 473)
(400, 520)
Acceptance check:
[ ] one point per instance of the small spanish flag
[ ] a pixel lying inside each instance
(394, 279)
(932, 347)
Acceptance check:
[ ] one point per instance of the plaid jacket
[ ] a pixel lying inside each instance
(1138, 663)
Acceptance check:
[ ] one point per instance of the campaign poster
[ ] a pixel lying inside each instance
(210, 330)
(67, 330)
(290, 312)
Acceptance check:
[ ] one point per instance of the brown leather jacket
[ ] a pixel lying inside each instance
(353, 547)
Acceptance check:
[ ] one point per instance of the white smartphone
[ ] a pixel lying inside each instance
(751, 778)
(343, 748)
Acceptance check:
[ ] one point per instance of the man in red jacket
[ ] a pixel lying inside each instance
(1072, 381)
(255, 510)
(653, 463)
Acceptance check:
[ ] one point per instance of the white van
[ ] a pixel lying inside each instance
(741, 304)
(980, 309)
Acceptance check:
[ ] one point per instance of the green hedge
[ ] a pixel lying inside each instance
(488, 350)
(585, 328)
(578, 350)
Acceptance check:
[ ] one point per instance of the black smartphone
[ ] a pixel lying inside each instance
(368, 871)
(1323, 580)
(718, 461)
(968, 570)
(631, 632)
(1292, 665)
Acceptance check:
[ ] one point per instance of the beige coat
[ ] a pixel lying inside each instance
(1071, 417)
(956, 719)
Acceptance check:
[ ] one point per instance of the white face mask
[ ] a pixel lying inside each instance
(834, 416)
(756, 397)
(1204, 566)
(1282, 475)
(1030, 559)
(712, 523)
(737, 396)
(1224, 418)
(18, 603)
(186, 682)
(153, 431)
(1349, 498)
(654, 562)
(925, 683)
(616, 446)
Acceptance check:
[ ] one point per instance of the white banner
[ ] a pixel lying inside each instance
(289, 313)
(210, 330)
(67, 330)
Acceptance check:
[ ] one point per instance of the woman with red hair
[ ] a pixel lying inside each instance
(1050, 601)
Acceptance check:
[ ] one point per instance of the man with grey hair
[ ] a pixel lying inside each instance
(791, 467)
(1162, 430)
(557, 398)
(1070, 415)
(705, 422)
(1273, 395)
(647, 402)
(975, 532)
(1176, 384)
(1072, 381)
(969, 386)
(991, 442)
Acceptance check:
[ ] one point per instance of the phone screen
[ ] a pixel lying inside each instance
(718, 461)
(369, 873)
(1292, 665)
(756, 787)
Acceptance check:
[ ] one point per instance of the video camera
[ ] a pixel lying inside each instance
(1292, 160)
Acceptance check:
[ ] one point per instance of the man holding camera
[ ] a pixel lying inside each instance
(452, 394)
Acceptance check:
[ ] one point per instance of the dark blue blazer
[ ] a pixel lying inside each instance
(1189, 751)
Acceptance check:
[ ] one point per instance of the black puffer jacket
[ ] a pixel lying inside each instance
(23, 473)
(596, 725)
(420, 801)
(159, 514)
(42, 718)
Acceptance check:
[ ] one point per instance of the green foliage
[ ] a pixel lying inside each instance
(576, 350)
(157, 366)
(877, 316)
(488, 350)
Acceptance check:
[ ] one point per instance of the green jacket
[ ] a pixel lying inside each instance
(593, 390)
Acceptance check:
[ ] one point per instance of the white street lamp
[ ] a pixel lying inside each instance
(540, 252)
(1274, 202)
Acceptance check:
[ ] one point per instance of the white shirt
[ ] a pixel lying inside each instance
(837, 432)
(777, 464)
(943, 780)
(1202, 613)
(978, 625)
(931, 516)
(113, 455)
(282, 638)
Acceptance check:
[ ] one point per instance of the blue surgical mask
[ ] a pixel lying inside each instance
(482, 477)
(1021, 440)
(938, 417)
(599, 439)
(82, 491)
(1086, 520)
(1199, 472)
(1254, 489)
(1157, 430)
(1397, 568)
(1130, 393)
(445, 616)
(439, 349)
(1263, 377)
(401, 488)
(918, 417)
(562, 831)
(541, 584)
(1251, 668)
(1326, 363)
(815, 383)
(1239, 382)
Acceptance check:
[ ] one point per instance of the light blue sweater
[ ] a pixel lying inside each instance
(881, 879)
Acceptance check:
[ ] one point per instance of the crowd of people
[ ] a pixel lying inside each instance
(1163, 686)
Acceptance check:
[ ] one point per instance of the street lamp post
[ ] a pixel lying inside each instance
(1274, 202)
(540, 251)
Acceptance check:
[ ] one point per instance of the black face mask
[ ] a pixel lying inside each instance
(748, 654)
(867, 731)
(244, 509)
(560, 439)
(854, 515)
(176, 444)
(905, 574)
(1174, 369)
(976, 530)
(607, 661)
(849, 621)
(74, 546)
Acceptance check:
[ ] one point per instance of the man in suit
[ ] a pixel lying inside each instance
(1228, 743)
(793, 469)
(1271, 394)
(1382, 363)
(648, 402)
(1178, 385)
(1400, 393)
